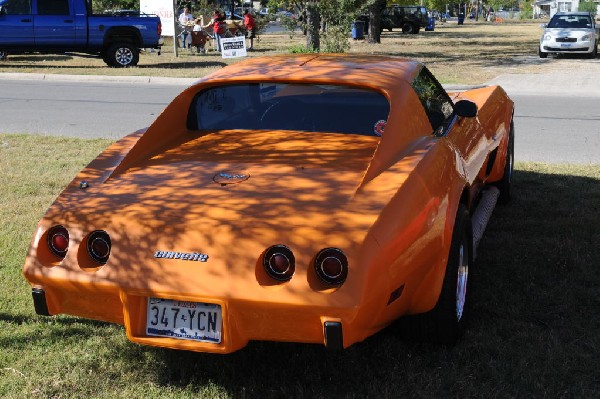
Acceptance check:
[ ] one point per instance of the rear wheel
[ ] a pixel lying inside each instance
(505, 184)
(445, 323)
(594, 53)
(407, 27)
(122, 55)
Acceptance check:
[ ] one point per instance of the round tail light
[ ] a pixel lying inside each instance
(58, 240)
(331, 265)
(98, 246)
(279, 262)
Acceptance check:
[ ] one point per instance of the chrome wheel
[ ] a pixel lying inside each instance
(124, 56)
(462, 278)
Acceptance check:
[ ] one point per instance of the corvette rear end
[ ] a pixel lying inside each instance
(279, 201)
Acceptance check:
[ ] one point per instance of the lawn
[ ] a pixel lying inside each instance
(469, 54)
(534, 330)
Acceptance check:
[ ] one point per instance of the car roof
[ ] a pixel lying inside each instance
(573, 13)
(351, 69)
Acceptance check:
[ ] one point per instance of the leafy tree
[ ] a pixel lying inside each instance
(526, 10)
(328, 18)
(99, 6)
(588, 6)
(375, 9)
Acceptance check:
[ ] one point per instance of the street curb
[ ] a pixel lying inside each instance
(96, 78)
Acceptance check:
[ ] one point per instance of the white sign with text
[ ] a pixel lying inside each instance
(162, 8)
(232, 47)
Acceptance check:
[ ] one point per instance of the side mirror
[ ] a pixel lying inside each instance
(465, 108)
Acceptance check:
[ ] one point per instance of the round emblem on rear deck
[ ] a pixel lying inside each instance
(230, 178)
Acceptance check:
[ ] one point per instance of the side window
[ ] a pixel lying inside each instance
(53, 7)
(438, 105)
(16, 7)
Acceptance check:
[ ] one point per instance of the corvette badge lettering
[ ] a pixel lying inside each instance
(194, 257)
(230, 178)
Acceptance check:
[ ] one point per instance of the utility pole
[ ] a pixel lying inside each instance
(175, 50)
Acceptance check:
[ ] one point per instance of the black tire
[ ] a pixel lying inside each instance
(505, 184)
(446, 322)
(594, 53)
(542, 54)
(122, 55)
(407, 27)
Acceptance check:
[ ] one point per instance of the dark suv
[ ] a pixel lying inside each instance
(409, 18)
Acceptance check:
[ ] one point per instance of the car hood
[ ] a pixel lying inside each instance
(568, 32)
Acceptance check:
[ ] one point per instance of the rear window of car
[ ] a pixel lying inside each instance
(282, 106)
(570, 21)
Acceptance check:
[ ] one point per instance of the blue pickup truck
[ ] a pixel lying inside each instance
(57, 26)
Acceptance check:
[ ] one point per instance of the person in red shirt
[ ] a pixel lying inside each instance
(250, 25)
(219, 27)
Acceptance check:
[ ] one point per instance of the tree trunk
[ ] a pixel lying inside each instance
(375, 21)
(312, 27)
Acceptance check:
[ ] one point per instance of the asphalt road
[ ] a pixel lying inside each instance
(556, 127)
(81, 109)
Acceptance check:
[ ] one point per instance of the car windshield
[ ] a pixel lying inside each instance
(282, 106)
(570, 21)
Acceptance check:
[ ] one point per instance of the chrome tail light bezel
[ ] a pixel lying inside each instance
(272, 254)
(53, 233)
(95, 238)
(336, 255)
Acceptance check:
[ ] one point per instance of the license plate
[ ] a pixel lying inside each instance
(565, 45)
(184, 320)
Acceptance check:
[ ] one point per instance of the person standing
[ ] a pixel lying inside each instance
(250, 25)
(184, 20)
(219, 27)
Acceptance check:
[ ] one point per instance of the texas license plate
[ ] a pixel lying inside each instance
(184, 320)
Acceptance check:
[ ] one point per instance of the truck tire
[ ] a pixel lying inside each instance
(407, 27)
(122, 55)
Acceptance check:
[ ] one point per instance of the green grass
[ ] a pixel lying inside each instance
(534, 329)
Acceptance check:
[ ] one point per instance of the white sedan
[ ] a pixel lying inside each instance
(570, 33)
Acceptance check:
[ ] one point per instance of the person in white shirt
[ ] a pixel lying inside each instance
(184, 20)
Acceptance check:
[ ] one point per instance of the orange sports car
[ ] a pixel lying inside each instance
(304, 198)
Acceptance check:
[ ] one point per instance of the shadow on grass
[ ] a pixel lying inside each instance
(187, 64)
(184, 65)
(62, 320)
(37, 57)
(533, 327)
